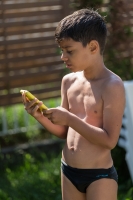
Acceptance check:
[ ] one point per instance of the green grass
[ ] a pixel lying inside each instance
(35, 176)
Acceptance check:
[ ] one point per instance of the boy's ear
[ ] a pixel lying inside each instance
(93, 46)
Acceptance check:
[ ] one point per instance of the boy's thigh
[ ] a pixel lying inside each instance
(103, 189)
(69, 191)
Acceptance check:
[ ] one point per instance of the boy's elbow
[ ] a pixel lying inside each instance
(63, 136)
(63, 133)
(111, 144)
(111, 141)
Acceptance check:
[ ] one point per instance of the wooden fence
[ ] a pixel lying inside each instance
(28, 53)
(29, 57)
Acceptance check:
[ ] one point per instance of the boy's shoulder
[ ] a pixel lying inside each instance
(114, 79)
(71, 76)
(113, 83)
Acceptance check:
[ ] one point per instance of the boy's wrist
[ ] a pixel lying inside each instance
(39, 117)
(69, 119)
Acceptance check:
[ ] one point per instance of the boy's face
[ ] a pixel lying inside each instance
(75, 56)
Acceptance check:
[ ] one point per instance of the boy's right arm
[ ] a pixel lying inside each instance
(57, 130)
(33, 109)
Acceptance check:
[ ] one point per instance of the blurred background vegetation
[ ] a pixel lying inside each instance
(34, 173)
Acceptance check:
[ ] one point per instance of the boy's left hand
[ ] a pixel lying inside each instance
(57, 115)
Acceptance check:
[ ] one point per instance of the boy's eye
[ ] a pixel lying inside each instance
(70, 52)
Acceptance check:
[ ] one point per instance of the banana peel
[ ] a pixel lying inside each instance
(31, 97)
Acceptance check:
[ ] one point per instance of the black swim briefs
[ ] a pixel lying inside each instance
(82, 178)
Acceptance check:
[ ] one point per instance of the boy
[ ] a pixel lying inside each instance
(91, 111)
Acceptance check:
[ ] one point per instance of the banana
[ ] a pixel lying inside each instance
(31, 97)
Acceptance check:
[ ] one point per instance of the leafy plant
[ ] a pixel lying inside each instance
(36, 176)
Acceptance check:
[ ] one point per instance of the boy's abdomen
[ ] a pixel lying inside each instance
(80, 153)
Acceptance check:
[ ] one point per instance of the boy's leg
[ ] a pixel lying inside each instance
(69, 191)
(103, 189)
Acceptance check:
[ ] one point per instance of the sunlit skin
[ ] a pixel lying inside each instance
(90, 116)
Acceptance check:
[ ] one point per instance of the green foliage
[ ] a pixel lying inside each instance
(127, 195)
(124, 179)
(36, 176)
(17, 119)
(122, 67)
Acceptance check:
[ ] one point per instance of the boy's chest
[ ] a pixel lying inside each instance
(85, 98)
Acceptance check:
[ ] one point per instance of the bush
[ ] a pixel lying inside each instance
(35, 176)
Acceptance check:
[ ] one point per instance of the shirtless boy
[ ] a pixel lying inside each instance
(91, 111)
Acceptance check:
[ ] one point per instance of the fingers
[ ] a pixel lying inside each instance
(49, 111)
(32, 110)
(24, 100)
(49, 116)
(30, 106)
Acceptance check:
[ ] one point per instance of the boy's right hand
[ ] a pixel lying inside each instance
(32, 107)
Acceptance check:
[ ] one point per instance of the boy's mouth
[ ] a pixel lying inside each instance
(68, 65)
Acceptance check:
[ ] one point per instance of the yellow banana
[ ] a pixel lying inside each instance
(31, 97)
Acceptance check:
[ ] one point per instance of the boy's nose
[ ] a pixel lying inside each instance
(64, 57)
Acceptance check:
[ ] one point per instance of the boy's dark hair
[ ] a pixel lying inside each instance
(83, 26)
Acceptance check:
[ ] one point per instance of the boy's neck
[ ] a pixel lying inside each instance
(96, 71)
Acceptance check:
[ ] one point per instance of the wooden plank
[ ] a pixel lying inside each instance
(33, 88)
(31, 53)
(17, 100)
(26, 79)
(30, 14)
(29, 5)
(28, 82)
(31, 48)
(28, 74)
(49, 41)
(26, 40)
(37, 62)
(34, 57)
(51, 64)
(2, 67)
(36, 93)
(30, 29)
(26, 22)
(31, 70)
(10, 101)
